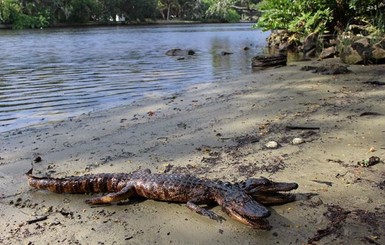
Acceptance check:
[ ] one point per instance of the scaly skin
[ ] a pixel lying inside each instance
(240, 201)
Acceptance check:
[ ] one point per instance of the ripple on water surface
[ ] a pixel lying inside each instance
(56, 73)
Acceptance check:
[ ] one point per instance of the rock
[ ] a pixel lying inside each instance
(310, 42)
(276, 38)
(311, 53)
(308, 68)
(272, 145)
(269, 61)
(283, 40)
(362, 52)
(364, 49)
(378, 52)
(350, 56)
(328, 53)
(224, 53)
(332, 69)
(297, 141)
(180, 52)
(282, 46)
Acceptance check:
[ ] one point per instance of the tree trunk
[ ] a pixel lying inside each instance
(168, 11)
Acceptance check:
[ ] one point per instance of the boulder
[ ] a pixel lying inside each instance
(350, 56)
(329, 52)
(311, 53)
(363, 52)
(310, 42)
(283, 40)
(378, 52)
(359, 52)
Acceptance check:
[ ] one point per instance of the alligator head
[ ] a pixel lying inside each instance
(240, 206)
(268, 192)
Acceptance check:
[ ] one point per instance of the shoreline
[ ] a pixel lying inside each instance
(123, 24)
(213, 130)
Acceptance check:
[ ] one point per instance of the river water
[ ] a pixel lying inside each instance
(54, 74)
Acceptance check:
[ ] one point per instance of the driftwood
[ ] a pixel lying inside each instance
(294, 127)
(376, 83)
(269, 61)
(36, 220)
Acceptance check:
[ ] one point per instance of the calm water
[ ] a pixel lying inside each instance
(57, 73)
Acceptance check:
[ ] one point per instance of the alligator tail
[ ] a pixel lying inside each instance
(98, 183)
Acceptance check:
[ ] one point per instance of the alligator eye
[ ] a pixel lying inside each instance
(266, 181)
(227, 184)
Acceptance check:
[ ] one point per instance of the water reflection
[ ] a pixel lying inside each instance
(56, 73)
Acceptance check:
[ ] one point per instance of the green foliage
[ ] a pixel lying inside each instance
(9, 10)
(231, 15)
(22, 16)
(306, 16)
(82, 10)
(227, 10)
(139, 10)
(301, 16)
(41, 13)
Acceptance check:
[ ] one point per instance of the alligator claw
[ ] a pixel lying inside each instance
(191, 205)
(213, 216)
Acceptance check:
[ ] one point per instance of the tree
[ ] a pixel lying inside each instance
(139, 9)
(9, 11)
(231, 10)
(80, 11)
(166, 6)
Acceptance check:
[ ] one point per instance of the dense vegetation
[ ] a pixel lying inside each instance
(297, 16)
(307, 16)
(42, 13)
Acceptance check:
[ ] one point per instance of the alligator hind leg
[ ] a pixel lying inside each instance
(124, 193)
(191, 205)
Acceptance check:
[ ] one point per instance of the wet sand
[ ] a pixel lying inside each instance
(216, 130)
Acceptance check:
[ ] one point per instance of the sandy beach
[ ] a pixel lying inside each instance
(214, 130)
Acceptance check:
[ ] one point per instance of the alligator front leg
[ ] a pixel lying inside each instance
(124, 193)
(198, 209)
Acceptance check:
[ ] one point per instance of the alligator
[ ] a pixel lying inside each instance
(244, 201)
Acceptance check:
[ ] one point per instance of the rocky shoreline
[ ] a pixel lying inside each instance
(354, 46)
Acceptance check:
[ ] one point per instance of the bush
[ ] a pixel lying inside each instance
(306, 16)
(23, 21)
(231, 16)
(300, 16)
(9, 10)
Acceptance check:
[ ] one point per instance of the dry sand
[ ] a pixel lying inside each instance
(215, 130)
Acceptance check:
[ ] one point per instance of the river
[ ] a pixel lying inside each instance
(53, 74)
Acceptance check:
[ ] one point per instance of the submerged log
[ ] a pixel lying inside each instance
(269, 61)
(180, 52)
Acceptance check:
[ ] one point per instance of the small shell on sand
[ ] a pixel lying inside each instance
(272, 145)
(297, 141)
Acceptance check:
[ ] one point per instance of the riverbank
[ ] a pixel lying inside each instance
(148, 22)
(216, 130)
